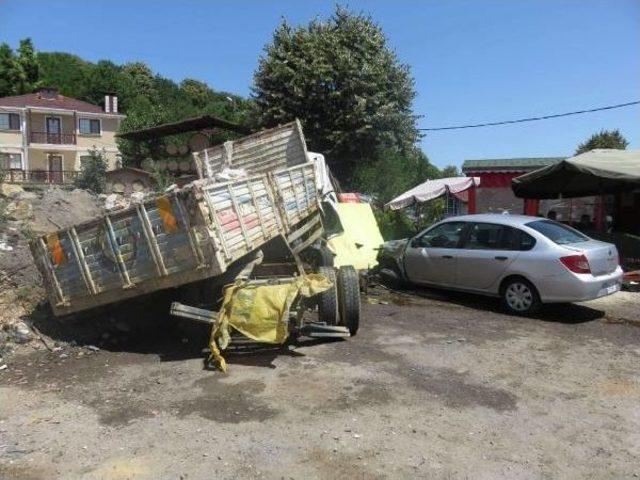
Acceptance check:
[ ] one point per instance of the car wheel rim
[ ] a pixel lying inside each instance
(519, 297)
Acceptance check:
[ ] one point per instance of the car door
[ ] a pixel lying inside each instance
(486, 252)
(430, 258)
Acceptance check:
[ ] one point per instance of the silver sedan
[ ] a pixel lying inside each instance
(526, 261)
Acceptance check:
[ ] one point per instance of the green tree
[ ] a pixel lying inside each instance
(393, 172)
(198, 93)
(604, 139)
(345, 84)
(106, 77)
(93, 171)
(141, 79)
(450, 171)
(69, 73)
(9, 71)
(29, 66)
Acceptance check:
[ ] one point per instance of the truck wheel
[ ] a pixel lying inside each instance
(328, 300)
(323, 257)
(349, 298)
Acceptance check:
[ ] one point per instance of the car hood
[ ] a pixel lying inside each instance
(394, 248)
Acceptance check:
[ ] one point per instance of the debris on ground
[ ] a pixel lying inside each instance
(26, 212)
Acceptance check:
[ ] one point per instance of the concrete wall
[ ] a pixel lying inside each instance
(39, 159)
(11, 138)
(497, 200)
(106, 139)
(38, 122)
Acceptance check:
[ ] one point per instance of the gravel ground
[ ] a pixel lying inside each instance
(433, 386)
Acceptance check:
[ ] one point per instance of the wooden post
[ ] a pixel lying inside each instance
(471, 206)
(598, 214)
(531, 206)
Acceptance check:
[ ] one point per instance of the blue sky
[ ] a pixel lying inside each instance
(473, 61)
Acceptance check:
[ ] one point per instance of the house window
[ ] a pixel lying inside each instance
(84, 159)
(11, 161)
(89, 126)
(9, 121)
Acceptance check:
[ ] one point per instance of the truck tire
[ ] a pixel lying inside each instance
(328, 300)
(349, 298)
(322, 257)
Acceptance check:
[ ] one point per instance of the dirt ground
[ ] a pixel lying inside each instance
(434, 386)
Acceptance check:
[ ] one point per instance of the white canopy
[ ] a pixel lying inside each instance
(432, 189)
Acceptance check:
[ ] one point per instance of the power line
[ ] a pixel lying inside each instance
(531, 119)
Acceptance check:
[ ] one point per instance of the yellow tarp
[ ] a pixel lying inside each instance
(260, 312)
(357, 245)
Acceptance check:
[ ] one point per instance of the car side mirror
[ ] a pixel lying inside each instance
(415, 242)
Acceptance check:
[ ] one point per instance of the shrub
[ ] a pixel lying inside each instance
(93, 171)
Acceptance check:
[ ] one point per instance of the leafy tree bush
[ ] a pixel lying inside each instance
(163, 180)
(29, 66)
(450, 171)
(93, 171)
(392, 172)
(604, 139)
(345, 84)
(19, 73)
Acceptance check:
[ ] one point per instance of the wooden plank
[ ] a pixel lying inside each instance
(295, 195)
(198, 164)
(239, 215)
(115, 248)
(207, 166)
(49, 272)
(301, 231)
(306, 188)
(213, 215)
(314, 236)
(82, 263)
(151, 239)
(254, 199)
(193, 242)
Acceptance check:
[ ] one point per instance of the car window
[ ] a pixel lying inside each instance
(515, 239)
(445, 235)
(484, 236)
(491, 236)
(557, 232)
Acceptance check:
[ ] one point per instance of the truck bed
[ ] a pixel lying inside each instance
(187, 235)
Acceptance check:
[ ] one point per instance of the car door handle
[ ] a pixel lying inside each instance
(447, 256)
(502, 259)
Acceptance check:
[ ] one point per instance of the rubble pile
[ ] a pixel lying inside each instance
(25, 214)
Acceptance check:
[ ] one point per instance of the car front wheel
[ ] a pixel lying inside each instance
(520, 297)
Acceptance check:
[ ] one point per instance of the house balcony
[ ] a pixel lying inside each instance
(56, 177)
(52, 138)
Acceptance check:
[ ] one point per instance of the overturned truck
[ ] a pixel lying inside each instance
(253, 214)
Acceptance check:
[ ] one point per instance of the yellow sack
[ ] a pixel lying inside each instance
(260, 312)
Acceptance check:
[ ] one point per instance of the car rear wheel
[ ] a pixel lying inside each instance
(520, 297)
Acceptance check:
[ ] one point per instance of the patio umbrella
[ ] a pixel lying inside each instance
(596, 172)
(433, 189)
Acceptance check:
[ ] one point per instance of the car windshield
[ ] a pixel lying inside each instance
(557, 232)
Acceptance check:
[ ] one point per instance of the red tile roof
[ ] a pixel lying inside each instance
(59, 101)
